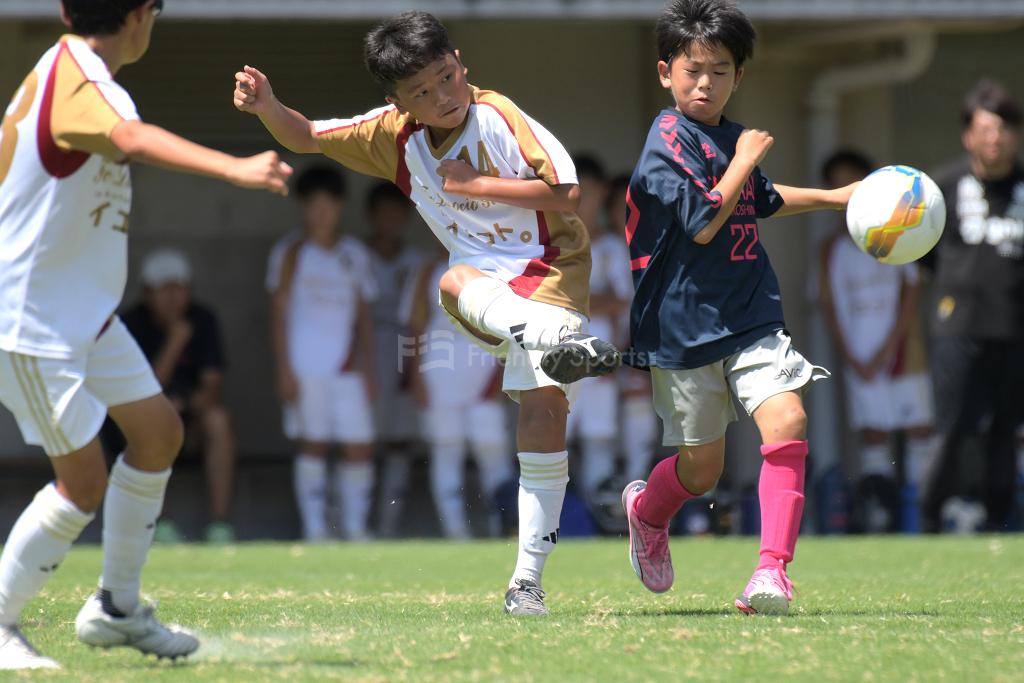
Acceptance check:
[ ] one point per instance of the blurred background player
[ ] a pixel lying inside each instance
(978, 316)
(395, 263)
(66, 359)
(871, 311)
(595, 416)
(501, 201)
(181, 339)
(458, 388)
(638, 421)
(322, 336)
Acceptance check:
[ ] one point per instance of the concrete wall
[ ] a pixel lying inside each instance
(592, 83)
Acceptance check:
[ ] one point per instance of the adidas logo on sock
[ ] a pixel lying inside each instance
(518, 331)
(552, 537)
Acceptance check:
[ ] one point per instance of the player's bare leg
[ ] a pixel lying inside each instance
(490, 306)
(114, 615)
(783, 425)
(650, 506)
(543, 475)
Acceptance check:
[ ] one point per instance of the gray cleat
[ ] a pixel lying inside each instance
(525, 598)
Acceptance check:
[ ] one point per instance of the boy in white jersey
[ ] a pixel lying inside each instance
(322, 337)
(595, 418)
(457, 386)
(498, 190)
(66, 360)
(871, 310)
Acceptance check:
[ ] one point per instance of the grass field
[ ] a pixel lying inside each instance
(866, 609)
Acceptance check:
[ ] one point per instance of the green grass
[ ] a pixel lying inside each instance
(916, 609)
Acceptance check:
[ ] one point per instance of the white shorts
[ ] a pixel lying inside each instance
(330, 409)
(889, 403)
(595, 412)
(481, 423)
(522, 368)
(696, 405)
(61, 404)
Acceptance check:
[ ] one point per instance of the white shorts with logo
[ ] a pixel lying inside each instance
(330, 409)
(61, 404)
(522, 368)
(696, 405)
(889, 403)
(595, 413)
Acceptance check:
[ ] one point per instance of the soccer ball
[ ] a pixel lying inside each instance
(896, 214)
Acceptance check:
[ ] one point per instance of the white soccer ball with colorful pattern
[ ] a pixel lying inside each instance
(896, 215)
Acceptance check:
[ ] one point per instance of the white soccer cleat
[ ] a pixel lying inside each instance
(140, 630)
(17, 653)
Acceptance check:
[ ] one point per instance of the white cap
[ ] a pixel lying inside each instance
(165, 266)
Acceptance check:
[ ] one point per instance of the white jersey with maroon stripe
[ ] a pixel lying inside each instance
(65, 196)
(543, 255)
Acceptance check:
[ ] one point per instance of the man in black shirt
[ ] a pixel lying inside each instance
(181, 339)
(978, 319)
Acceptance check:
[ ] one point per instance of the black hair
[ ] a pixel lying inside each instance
(684, 23)
(617, 188)
(846, 157)
(382, 193)
(400, 46)
(589, 166)
(320, 178)
(991, 96)
(99, 17)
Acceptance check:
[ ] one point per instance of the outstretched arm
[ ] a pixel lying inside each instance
(254, 95)
(804, 199)
(536, 195)
(153, 145)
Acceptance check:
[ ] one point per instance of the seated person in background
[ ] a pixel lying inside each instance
(181, 340)
(871, 310)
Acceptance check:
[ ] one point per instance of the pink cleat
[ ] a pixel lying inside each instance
(769, 592)
(648, 545)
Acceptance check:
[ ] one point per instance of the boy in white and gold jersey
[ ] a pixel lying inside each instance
(499, 192)
(66, 360)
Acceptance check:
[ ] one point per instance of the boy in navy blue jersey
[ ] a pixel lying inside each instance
(707, 315)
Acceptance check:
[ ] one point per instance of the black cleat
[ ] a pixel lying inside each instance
(579, 355)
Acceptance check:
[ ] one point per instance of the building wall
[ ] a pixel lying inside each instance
(592, 83)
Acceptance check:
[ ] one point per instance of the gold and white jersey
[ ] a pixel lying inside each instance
(64, 201)
(542, 255)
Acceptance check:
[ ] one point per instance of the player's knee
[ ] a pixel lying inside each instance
(454, 279)
(699, 477)
(791, 422)
(217, 421)
(162, 443)
(88, 489)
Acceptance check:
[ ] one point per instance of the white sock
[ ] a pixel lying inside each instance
(542, 480)
(394, 486)
(876, 459)
(918, 458)
(311, 495)
(354, 485)
(489, 305)
(494, 466)
(38, 543)
(639, 430)
(130, 511)
(447, 480)
(597, 463)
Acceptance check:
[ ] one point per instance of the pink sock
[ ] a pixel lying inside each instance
(781, 490)
(664, 494)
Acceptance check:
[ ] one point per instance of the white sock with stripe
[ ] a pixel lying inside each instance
(489, 305)
(130, 512)
(542, 481)
(38, 543)
(310, 474)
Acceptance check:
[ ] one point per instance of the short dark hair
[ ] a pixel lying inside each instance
(846, 157)
(99, 17)
(617, 188)
(382, 193)
(684, 23)
(320, 178)
(587, 165)
(991, 96)
(400, 46)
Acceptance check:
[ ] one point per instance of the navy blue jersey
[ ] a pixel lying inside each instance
(696, 304)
